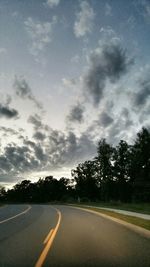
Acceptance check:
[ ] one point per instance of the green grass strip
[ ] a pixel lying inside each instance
(130, 219)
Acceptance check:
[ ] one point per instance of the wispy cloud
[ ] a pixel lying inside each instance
(52, 3)
(40, 34)
(141, 98)
(108, 10)
(143, 8)
(68, 82)
(76, 113)
(84, 20)
(24, 91)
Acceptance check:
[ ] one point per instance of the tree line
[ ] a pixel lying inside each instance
(120, 173)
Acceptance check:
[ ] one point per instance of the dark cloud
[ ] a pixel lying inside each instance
(8, 131)
(76, 113)
(7, 112)
(24, 91)
(70, 149)
(141, 97)
(39, 136)
(106, 62)
(126, 117)
(144, 116)
(36, 121)
(120, 126)
(105, 119)
(40, 154)
(58, 149)
(18, 159)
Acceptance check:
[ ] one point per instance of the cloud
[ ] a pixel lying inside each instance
(36, 121)
(58, 149)
(107, 62)
(143, 8)
(40, 34)
(18, 159)
(126, 118)
(68, 82)
(146, 6)
(24, 91)
(105, 119)
(6, 131)
(142, 96)
(66, 149)
(7, 112)
(52, 3)
(76, 113)
(84, 20)
(40, 154)
(108, 10)
(39, 136)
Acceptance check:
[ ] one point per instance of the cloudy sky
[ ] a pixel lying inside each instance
(71, 72)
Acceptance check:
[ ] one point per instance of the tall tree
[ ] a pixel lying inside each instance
(121, 165)
(2, 193)
(104, 169)
(85, 178)
(140, 167)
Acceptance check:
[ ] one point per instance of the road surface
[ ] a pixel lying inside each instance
(59, 236)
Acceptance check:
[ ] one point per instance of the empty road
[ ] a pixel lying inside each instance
(59, 236)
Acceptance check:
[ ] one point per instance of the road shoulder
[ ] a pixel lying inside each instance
(140, 230)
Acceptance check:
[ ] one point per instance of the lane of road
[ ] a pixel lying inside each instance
(55, 236)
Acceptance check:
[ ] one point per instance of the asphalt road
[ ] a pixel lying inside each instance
(54, 236)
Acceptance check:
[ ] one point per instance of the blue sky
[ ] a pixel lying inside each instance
(71, 72)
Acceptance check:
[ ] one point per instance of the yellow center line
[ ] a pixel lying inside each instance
(48, 236)
(17, 215)
(49, 240)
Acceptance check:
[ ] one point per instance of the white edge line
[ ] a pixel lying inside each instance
(17, 215)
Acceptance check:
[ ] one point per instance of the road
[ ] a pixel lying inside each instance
(59, 236)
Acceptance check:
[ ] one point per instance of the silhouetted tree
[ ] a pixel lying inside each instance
(121, 166)
(121, 173)
(85, 178)
(140, 167)
(2, 193)
(104, 169)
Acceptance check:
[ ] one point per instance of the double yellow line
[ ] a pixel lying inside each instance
(48, 241)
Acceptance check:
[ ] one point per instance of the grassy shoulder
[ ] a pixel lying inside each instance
(136, 207)
(130, 219)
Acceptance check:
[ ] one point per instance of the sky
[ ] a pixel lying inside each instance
(71, 73)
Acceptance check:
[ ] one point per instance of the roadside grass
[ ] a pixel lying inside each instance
(136, 207)
(130, 219)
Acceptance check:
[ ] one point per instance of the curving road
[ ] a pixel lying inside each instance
(59, 236)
